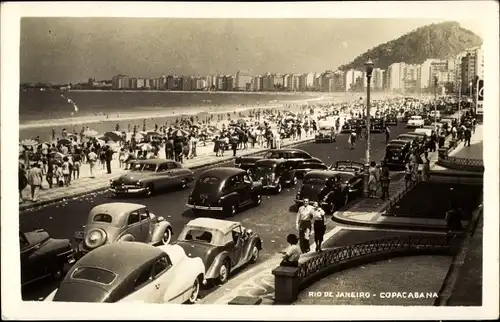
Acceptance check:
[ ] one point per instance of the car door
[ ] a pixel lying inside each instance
(163, 176)
(244, 189)
(29, 268)
(143, 288)
(165, 280)
(134, 226)
(236, 248)
(175, 176)
(145, 226)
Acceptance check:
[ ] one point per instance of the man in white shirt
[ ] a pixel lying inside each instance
(303, 225)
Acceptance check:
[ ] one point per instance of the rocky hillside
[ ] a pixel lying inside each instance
(441, 41)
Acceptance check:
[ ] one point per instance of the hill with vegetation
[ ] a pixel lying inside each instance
(441, 41)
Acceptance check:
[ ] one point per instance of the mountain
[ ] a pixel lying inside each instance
(442, 40)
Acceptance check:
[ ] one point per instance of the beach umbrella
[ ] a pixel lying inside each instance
(145, 146)
(29, 143)
(153, 133)
(64, 142)
(113, 135)
(90, 133)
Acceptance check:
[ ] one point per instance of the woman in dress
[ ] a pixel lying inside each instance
(318, 216)
(373, 180)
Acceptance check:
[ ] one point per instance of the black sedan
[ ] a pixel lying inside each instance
(42, 256)
(274, 174)
(295, 156)
(224, 190)
(305, 167)
(397, 153)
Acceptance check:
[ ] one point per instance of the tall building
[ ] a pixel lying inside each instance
(395, 74)
(327, 81)
(141, 83)
(162, 82)
(256, 83)
(172, 82)
(426, 74)
(241, 80)
(133, 83)
(292, 82)
(120, 82)
(220, 83)
(211, 82)
(338, 81)
(306, 81)
(377, 79)
(350, 78)
(411, 74)
(472, 65)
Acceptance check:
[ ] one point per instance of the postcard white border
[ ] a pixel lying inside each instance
(14, 308)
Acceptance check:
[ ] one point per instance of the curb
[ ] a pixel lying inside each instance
(29, 206)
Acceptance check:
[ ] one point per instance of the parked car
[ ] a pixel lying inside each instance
(319, 185)
(133, 272)
(424, 136)
(415, 121)
(295, 156)
(326, 134)
(119, 221)
(377, 125)
(274, 174)
(43, 256)
(397, 153)
(222, 245)
(415, 141)
(307, 166)
(224, 190)
(391, 120)
(150, 176)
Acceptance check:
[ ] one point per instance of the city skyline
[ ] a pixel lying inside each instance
(62, 50)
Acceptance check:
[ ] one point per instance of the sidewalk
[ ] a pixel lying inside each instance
(85, 184)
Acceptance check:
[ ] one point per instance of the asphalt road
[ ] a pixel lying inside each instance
(272, 220)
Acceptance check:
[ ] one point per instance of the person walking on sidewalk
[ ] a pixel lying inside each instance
(292, 253)
(303, 225)
(65, 171)
(77, 162)
(23, 182)
(426, 169)
(373, 180)
(169, 149)
(35, 179)
(50, 170)
(408, 175)
(109, 157)
(467, 135)
(318, 216)
(91, 159)
(385, 180)
(387, 134)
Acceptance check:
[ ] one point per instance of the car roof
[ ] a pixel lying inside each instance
(154, 161)
(127, 257)
(418, 133)
(117, 208)
(286, 150)
(215, 224)
(222, 172)
(398, 142)
(265, 162)
(322, 173)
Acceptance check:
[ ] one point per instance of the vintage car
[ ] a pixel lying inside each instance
(305, 167)
(417, 142)
(397, 153)
(377, 125)
(348, 126)
(223, 246)
(391, 120)
(415, 121)
(225, 190)
(325, 134)
(274, 174)
(150, 176)
(133, 272)
(319, 185)
(119, 221)
(295, 156)
(42, 256)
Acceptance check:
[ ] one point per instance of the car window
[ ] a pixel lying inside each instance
(133, 218)
(144, 214)
(162, 167)
(230, 183)
(143, 278)
(173, 165)
(23, 241)
(236, 234)
(303, 155)
(238, 179)
(161, 266)
(103, 218)
(313, 180)
(199, 235)
(209, 181)
(94, 274)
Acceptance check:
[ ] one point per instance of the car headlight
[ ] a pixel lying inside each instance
(138, 183)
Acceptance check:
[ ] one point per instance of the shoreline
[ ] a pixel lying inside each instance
(197, 92)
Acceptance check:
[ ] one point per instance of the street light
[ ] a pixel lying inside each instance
(435, 99)
(459, 99)
(368, 70)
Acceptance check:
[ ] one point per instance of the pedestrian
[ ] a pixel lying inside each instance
(408, 175)
(234, 145)
(426, 170)
(35, 178)
(303, 225)
(77, 163)
(91, 159)
(387, 134)
(292, 253)
(385, 180)
(109, 157)
(468, 135)
(373, 180)
(50, 170)
(414, 165)
(23, 182)
(453, 217)
(65, 171)
(318, 216)
(352, 140)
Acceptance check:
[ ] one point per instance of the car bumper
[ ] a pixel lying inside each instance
(128, 190)
(210, 208)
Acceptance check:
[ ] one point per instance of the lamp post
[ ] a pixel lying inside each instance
(368, 70)
(459, 99)
(435, 98)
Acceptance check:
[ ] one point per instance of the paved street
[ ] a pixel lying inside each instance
(272, 220)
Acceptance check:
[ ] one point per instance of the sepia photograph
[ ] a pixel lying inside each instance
(304, 158)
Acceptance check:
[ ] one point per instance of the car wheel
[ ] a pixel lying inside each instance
(279, 187)
(255, 254)
(150, 190)
(167, 236)
(346, 198)
(194, 293)
(184, 184)
(223, 272)
(257, 199)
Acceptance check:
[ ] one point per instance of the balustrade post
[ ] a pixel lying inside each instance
(286, 284)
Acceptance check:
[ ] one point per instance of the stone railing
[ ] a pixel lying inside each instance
(457, 163)
(289, 281)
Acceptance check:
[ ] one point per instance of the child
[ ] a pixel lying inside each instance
(292, 253)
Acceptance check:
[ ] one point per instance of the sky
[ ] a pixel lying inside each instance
(63, 50)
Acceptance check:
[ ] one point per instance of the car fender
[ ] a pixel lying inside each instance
(213, 270)
(158, 231)
(126, 238)
(233, 196)
(256, 241)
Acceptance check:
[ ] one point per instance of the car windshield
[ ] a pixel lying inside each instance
(416, 118)
(94, 274)
(209, 181)
(103, 218)
(314, 180)
(324, 128)
(262, 170)
(273, 155)
(345, 176)
(144, 167)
